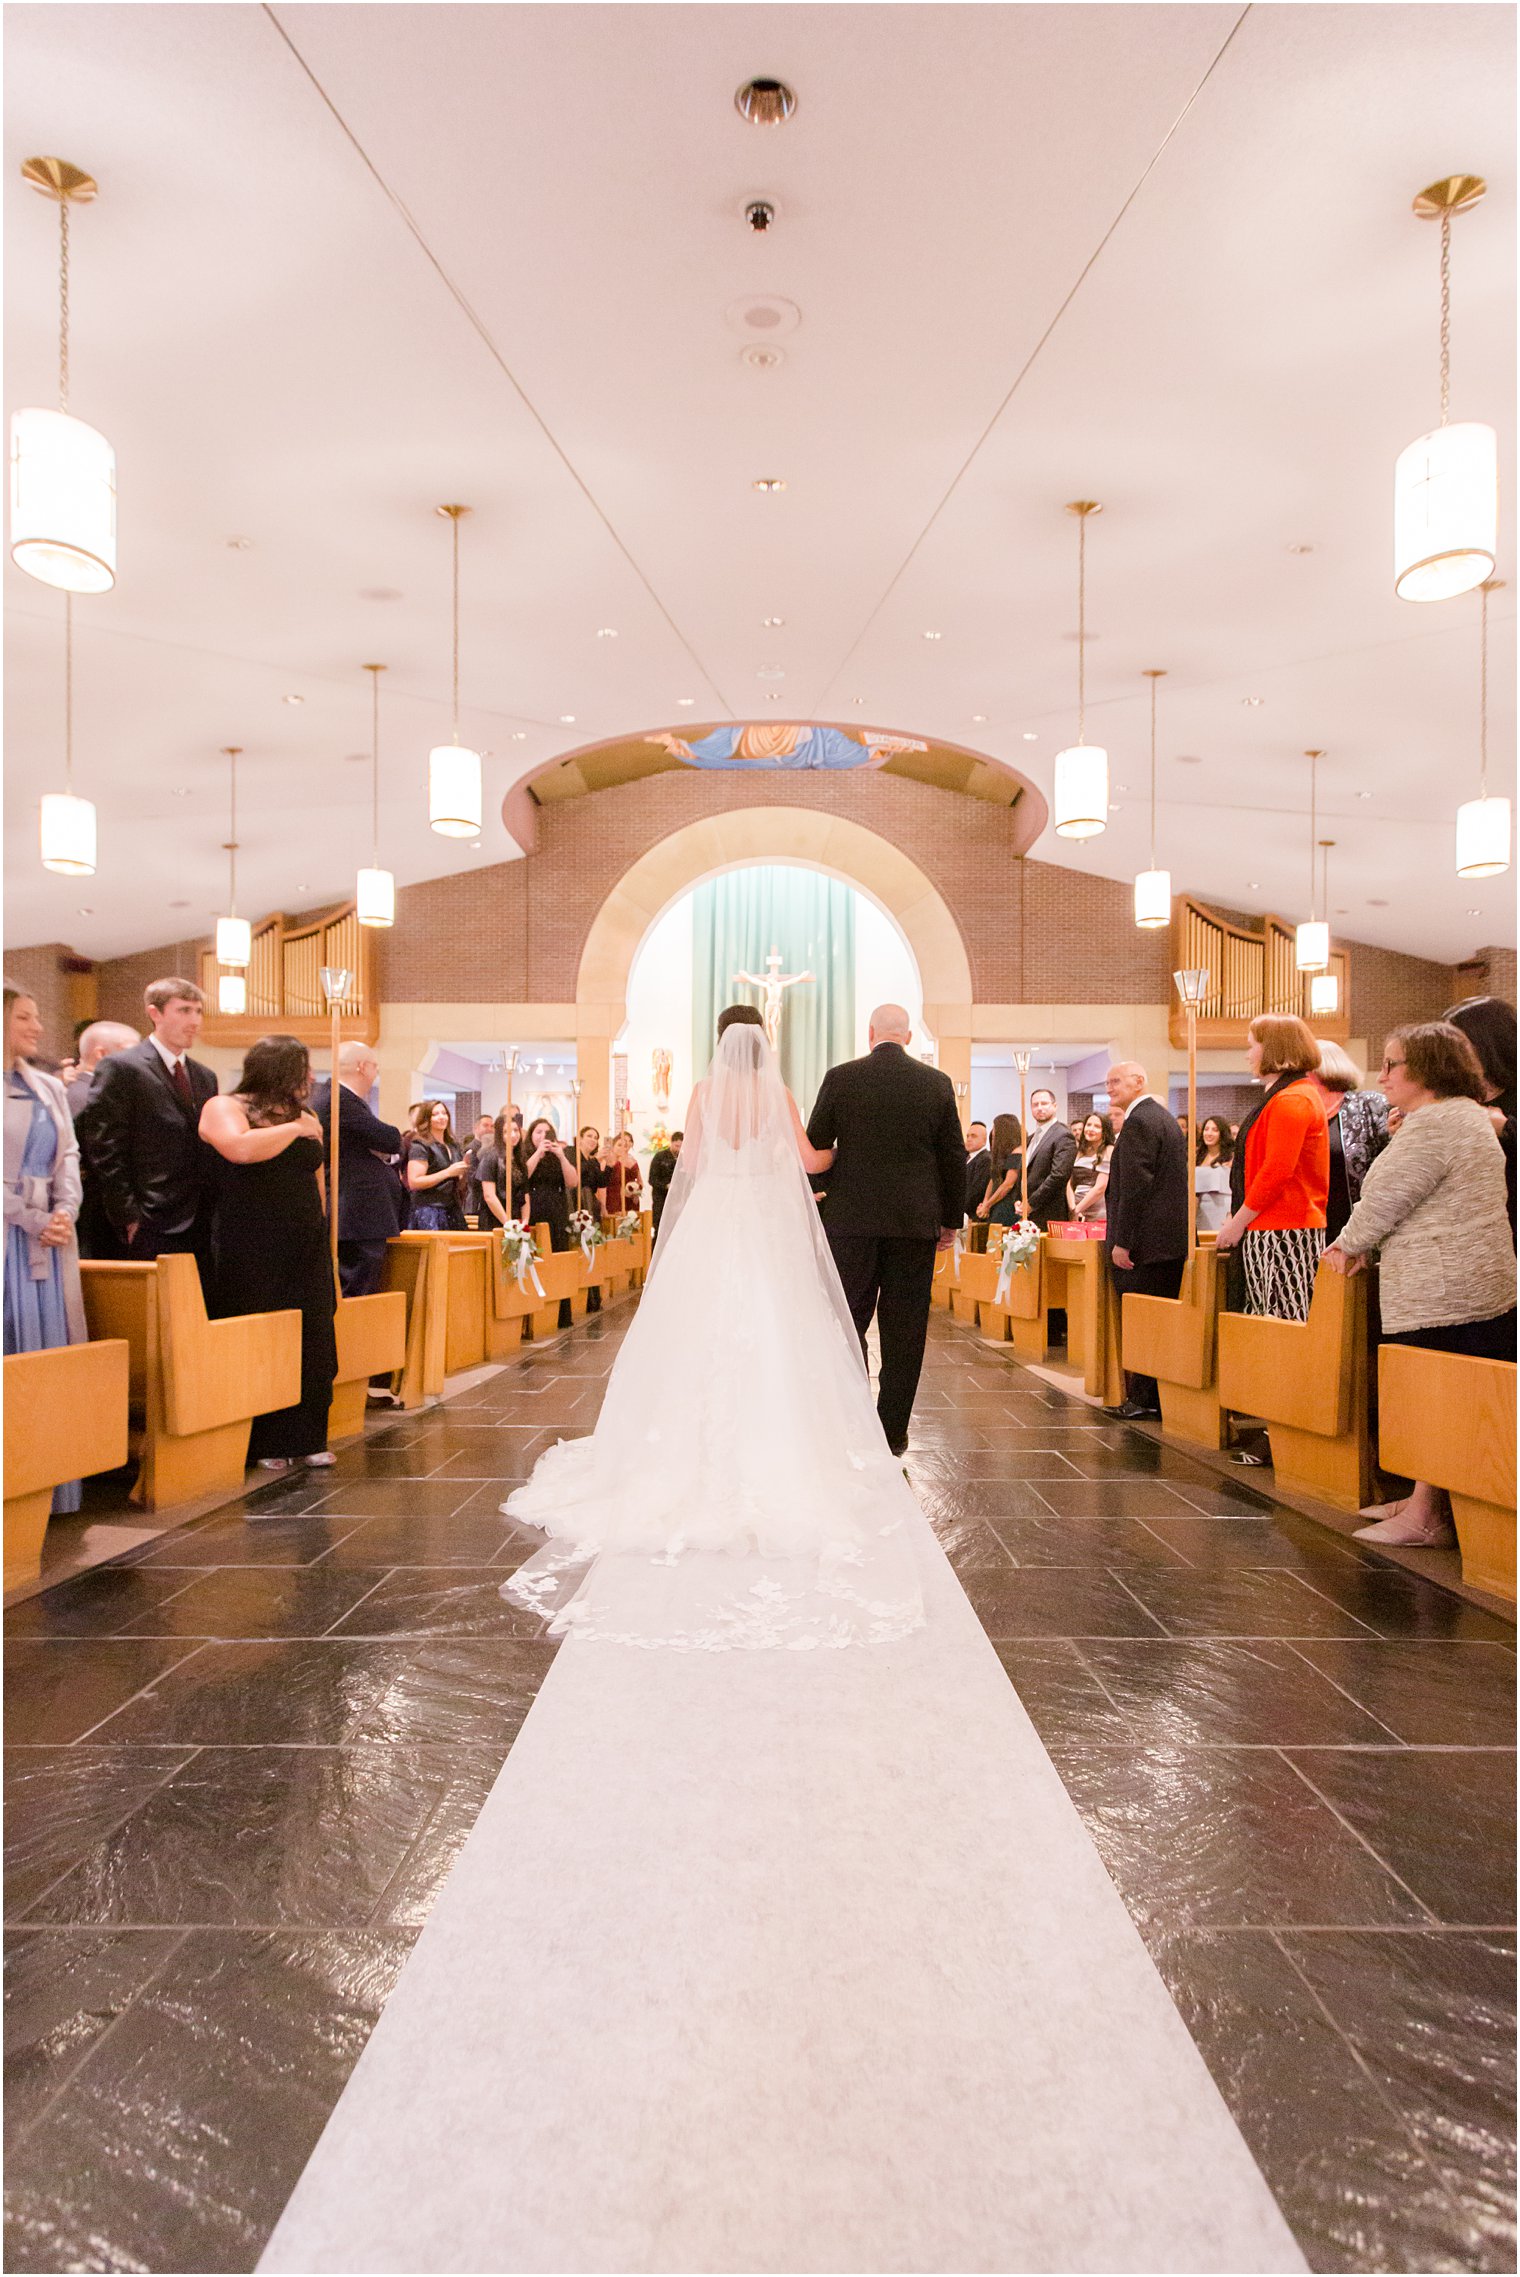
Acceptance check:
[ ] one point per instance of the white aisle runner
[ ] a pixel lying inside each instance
(781, 1961)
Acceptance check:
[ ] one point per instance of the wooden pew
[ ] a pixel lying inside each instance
(1075, 1276)
(410, 1270)
(1176, 1341)
(371, 1334)
(65, 1416)
(1451, 1421)
(196, 1384)
(1021, 1318)
(1308, 1381)
(945, 1277)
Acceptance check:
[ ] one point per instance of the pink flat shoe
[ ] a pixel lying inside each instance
(1407, 1533)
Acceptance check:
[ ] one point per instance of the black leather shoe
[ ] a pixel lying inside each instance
(1133, 1411)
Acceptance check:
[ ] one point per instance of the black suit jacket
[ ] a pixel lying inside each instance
(144, 1161)
(978, 1171)
(370, 1197)
(901, 1163)
(1147, 1195)
(1049, 1170)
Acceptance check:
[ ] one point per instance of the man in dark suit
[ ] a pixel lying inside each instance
(370, 1195)
(662, 1169)
(1147, 1206)
(147, 1170)
(1051, 1151)
(978, 1165)
(896, 1193)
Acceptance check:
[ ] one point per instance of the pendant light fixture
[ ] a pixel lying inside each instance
(453, 770)
(1483, 823)
(375, 896)
(68, 823)
(1081, 779)
(1312, 946)
(1153, 887)
(234, 934)
(63, 473)
(1446, 484)
(1325, 987)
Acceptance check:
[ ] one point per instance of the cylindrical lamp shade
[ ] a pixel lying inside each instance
(1081, 791)
(454, 791)
(63, 502)
(1446, 512)
(1153, 899)
(1324, 995)
(1312, 949)
(375, 899)
(1482, 838)
(234, 941)
(232, 994)
(68, 835)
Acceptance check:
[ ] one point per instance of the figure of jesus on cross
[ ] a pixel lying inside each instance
(773, 987)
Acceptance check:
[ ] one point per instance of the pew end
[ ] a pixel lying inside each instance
(1176, 1341)
(1309, 1383)
(65, 1417)
(1450, 1420)
(371, 1334)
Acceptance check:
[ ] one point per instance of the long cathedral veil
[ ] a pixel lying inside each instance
(737, 1490)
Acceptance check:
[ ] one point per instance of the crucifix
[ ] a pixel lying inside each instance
(773, 985)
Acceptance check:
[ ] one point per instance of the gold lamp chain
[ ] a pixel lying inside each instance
(232, 760)
(63, 303)
(1445, 315)
(1081, 628)
(1483, 691)
(1313, 824)
(455, 526)
(374, 747)
(1153, 773)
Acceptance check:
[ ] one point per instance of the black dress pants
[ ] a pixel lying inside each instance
(1159, 1280)
(893, 1278)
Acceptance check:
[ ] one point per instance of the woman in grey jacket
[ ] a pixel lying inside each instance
(1433, 1207)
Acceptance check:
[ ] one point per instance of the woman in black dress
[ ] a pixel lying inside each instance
(544, 1180)
(436, 1172)
(269, 1247)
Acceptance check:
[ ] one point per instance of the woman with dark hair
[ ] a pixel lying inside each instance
(1000, 1204)
(544, 1177)
(1488, 1023)
(1212, 1158)
(498, 1169)
(1432, 1208)
(436, 1171)
(624, 1189)
(1280, 1177)
(1088, 1182)
(269, 1246)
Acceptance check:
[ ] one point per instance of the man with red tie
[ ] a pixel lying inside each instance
(146, 1169)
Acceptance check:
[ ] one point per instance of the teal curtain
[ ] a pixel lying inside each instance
(737, 919)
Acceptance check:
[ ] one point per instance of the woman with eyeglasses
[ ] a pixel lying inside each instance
(1433, 1211)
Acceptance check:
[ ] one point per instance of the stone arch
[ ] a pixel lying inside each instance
(768, 834)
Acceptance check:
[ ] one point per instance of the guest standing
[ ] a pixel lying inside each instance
(435, 1171)
(43, 1304)
(1433, 1207)
(499, 1171)
(1211, 1173)
(549, 1178)
(371, 1203)
(1147, 1212)
(662, 1169)
(1357, 1123)
(592, 1174)
(1087, 1186)
(625, 1181)
(1280, 1178)
(1051, 1153)
(146, 1167)
(102, 1039)
(999, 1204)
(1488, 1023)
(269, 1244)
(978, 1166)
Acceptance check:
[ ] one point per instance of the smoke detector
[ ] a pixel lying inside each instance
(762, 316)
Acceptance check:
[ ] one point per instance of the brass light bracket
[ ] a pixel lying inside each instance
(1154, 672)
(1456, 194)
(55, 178)
(372, 667)
(1084, 507)
(454, 513)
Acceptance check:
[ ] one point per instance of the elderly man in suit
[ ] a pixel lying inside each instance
(100, 1040)
(371, 1199)
(896, 1193)
(147, 1170)
(1147, 1206)
(1051, 1151)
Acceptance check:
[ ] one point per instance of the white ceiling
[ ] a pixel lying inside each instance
(389, 255)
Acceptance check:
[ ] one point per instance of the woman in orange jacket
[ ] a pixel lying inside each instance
(1280, 1178)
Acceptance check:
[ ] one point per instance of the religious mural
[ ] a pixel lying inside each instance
(773, 744)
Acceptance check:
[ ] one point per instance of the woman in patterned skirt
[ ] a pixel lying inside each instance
(1280, 1177)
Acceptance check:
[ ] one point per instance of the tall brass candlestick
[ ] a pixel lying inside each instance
(1021, 1061)
(336, 981)
(1190, 987)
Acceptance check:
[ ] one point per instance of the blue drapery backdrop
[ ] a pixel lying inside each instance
(737, 919)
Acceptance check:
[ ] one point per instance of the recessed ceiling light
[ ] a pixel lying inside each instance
(857, 699)
(293, 699)
(771, 672)
(303, 889)
(90, 913)
(235, 545)
(686, 702)
(1364, 794)
(774, 697)
(567, 719)
(1374, 903)
(179, 794)
(1121, 786)
(1470, 913)
(765, 102)
(933, 636)
(1252, 886)
(771, 624)
(519, 735)
(1300, 549)
(979, 719)
(769, 483)
(1030, 736)
(1253, 703)
(606, 632)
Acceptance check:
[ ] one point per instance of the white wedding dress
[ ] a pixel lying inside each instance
(737, 1491)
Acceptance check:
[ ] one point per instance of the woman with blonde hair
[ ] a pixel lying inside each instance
(1280, 1177)
(1357, 1120)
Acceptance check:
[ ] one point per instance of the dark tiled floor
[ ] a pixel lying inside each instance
(241, 1766)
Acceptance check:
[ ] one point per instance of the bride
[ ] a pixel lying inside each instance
(737, 1491)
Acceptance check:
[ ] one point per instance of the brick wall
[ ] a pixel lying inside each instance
(1387, 988)
(42, 972)
(123, 979)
